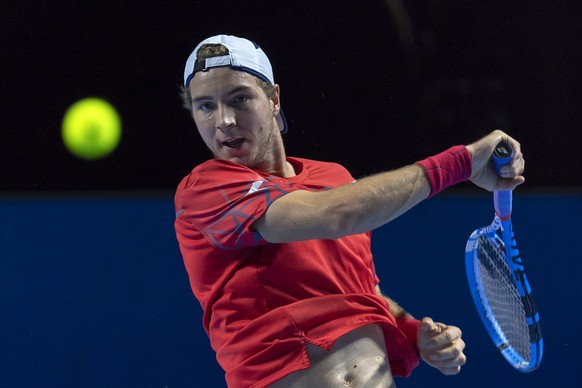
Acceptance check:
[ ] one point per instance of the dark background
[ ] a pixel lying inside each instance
(362, 84)
(93, 291)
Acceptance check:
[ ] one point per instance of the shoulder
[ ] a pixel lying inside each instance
(330, 172)
(213, 175)
(215, 170)
(310, 163)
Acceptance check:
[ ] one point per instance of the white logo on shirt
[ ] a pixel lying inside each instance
(256, 186)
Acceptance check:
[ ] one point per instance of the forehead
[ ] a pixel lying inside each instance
(220, 78)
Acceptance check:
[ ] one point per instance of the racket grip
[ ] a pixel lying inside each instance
(502, 200)
(502, 155)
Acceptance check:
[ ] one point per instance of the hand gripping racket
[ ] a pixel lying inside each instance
(498, 284)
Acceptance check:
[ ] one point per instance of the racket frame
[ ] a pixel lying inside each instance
(503, 155)
(487, 317)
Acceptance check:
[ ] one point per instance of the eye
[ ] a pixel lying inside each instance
(205, 106)
(240, 99)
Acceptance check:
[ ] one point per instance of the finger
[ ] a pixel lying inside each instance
(448, 335)
(427, 325)
(515, 160)
(445, 338)
(514, 143)
(453, 364)
(512, 170)
(450, 371)
(452, 355)
(517, 163)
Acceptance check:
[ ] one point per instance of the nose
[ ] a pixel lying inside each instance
(225, 118)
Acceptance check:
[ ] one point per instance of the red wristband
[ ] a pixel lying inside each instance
(447, 168)
(409, 326)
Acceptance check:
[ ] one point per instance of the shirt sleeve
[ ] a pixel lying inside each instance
(221, 200)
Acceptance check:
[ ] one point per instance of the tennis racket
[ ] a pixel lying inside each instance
(498, 284)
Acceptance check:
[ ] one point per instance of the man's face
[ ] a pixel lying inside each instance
(235, 117)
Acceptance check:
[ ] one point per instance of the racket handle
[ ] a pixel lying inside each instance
(502, 200)
(502, 155)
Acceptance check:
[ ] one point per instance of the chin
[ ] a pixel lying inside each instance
(242, 159)
(233, 154)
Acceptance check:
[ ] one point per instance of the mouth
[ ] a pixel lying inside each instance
(234, 143)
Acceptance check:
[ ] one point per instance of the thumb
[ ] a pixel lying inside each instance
(427, 325)
(510, 184)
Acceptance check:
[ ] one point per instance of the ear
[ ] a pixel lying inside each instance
(276, 100)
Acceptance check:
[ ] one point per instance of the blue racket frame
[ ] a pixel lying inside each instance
(502, 222)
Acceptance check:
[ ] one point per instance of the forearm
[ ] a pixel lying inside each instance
(378, 199)
(395, 309)
(405, 322)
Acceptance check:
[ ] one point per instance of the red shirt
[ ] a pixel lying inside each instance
(263, 301)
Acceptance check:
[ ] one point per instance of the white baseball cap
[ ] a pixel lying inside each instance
(243, 55)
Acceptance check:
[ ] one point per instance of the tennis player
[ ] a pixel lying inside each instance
(277, 248)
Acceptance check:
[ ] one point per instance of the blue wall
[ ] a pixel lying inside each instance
(93, 291)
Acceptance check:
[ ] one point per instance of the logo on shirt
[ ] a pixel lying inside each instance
(256, 186)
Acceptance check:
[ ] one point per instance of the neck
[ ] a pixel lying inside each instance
(287, 170)
(280, 166)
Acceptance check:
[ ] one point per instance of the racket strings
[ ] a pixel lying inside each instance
(502, 296)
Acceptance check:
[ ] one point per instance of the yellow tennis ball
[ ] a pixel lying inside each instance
(91, 128)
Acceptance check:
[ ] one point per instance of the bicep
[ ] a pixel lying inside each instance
(298, 216)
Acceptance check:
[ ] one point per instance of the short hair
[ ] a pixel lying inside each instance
(216, 50)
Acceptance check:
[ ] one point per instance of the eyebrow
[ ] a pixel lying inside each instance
(230, 92)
